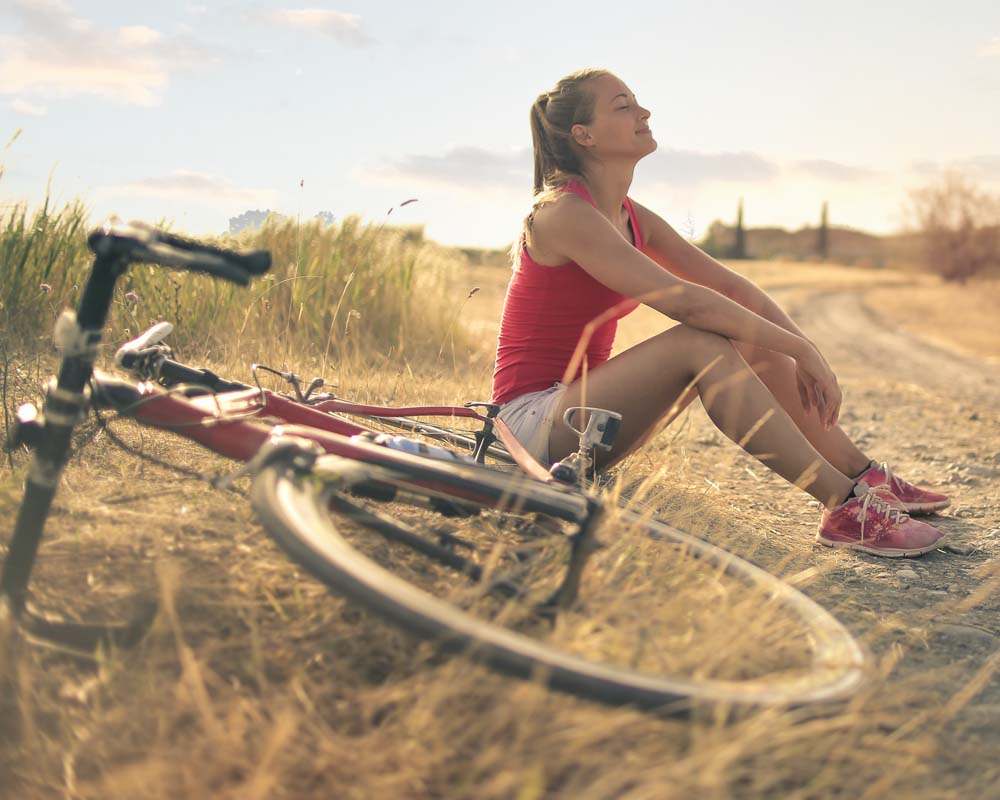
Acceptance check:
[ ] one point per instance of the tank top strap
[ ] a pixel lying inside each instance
(634, 219)
(578, 188)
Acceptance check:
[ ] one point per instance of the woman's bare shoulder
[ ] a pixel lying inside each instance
(547, 223)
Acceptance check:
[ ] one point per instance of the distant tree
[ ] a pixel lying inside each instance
(740, 246)
(248, 220)
(717, 241)
(958, 226)
(326, 218)
(823, 234)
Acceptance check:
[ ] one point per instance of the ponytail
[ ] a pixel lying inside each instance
(539, 140)
(557, 159)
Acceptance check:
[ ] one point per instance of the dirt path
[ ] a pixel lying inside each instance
(857, 338)
(934, 415)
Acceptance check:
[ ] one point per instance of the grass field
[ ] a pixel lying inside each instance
(257, 683)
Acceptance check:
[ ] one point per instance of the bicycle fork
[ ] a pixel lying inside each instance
(49, 434)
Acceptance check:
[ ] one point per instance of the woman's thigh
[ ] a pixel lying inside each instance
(649, 383)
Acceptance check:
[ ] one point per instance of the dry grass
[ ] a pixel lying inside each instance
(256, 682)
(333, 293)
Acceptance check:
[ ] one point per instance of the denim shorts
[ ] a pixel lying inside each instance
(531, 416)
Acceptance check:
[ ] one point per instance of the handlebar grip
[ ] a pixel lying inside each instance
(137, 242)
(256, 262)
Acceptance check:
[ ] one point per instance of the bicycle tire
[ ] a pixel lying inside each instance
(292, 507)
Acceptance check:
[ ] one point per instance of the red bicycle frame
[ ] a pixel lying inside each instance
(236, 424)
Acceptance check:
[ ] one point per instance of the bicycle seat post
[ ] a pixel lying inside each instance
(484, 437)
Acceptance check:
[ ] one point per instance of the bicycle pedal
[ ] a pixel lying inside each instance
(564, 473)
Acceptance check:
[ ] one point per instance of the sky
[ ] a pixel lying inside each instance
(193, 112)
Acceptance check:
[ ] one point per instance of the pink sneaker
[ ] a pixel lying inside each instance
(914, 499)
(875, 522)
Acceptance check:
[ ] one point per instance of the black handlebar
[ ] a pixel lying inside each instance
(136, 242)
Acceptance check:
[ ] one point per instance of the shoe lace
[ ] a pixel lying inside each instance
(894, 484)
(889, 477)
(874, 502)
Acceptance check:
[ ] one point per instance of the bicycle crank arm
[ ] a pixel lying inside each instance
(583, 545)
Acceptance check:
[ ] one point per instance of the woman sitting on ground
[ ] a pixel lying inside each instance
(587, 253)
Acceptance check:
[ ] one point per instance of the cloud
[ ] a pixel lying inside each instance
(138, 36)
(21, 106)
(689, 167)
(833, 171)
(991, 48)
(56, 53)
(476, 167)
(187, 185)
(984, 167)
(925, 168)
(345, 28)
(463, 167)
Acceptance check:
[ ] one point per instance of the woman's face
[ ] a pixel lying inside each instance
(620, 126)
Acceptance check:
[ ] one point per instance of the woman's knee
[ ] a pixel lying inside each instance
(703, 346)
(769, 365)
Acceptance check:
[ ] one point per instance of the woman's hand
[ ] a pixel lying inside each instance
(818, 387)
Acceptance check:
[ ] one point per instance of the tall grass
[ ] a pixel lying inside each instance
(42, 261)
(333, 292)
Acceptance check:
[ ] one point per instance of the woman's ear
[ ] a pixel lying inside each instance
(581, 135)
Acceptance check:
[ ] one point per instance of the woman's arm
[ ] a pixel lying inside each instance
(572, 229)
(675, 253)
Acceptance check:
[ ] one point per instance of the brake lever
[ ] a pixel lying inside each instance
(143, 342)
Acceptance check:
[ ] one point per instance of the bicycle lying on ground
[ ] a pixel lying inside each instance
(522, 608)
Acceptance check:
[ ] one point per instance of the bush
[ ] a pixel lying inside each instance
(958, 226)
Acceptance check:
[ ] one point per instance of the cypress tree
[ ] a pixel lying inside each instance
(740, 248)
(823, 235)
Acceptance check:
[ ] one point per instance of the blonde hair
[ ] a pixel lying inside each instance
(557, 158)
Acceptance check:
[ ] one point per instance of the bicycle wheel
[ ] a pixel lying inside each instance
(613, 661)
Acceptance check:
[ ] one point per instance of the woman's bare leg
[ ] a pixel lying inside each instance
(777, 371)
(659, 376)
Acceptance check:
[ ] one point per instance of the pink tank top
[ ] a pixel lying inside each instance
(544, 314)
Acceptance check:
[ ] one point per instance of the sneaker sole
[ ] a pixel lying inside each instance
(926, 508)
(885, 552)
